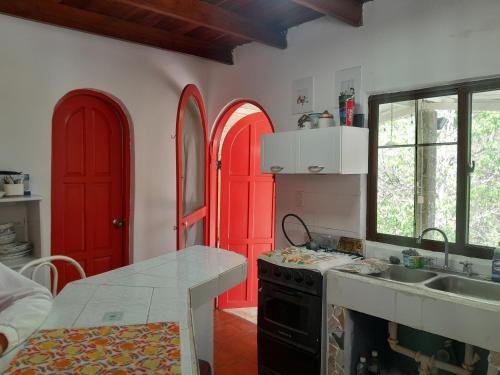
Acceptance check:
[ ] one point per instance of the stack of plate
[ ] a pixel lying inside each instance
(9, 247)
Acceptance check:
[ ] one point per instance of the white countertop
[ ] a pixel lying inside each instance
(161, 289)
(466, 319)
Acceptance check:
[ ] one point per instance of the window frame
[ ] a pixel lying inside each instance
(464, 92)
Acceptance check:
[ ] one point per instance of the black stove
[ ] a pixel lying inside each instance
(289, 320)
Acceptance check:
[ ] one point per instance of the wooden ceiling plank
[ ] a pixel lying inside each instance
(348, 11)
(213, 17)
(51, 12)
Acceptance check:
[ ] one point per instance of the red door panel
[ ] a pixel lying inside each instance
(263, 227)
(88, 191)
(238, 195)
(246, 204)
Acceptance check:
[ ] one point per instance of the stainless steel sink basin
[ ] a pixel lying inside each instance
(406, 275)
(467, 287)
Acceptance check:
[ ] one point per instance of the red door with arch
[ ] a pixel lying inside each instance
(192, 169)
(90, 183)
(246, 203)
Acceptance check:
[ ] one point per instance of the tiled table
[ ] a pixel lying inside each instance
(179, 286)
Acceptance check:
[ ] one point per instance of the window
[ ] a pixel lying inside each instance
(435, 162)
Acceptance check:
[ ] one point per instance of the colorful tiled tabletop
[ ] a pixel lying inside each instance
(131, 349)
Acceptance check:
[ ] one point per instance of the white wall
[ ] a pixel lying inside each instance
(40, 63)
(403, 44)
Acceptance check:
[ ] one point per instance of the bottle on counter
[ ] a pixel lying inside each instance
(495, 265)
(362, 367)
(374, 365)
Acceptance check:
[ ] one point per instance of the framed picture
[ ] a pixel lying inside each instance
(347, 79)
(303, 95)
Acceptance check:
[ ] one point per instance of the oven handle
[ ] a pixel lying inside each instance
(286, 292)
(286, 334)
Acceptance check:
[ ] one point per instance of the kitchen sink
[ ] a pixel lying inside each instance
(466, 287)
(406, 275)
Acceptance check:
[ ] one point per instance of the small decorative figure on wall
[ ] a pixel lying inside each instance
(303, 95)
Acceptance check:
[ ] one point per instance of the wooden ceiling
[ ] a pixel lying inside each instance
(205, 28)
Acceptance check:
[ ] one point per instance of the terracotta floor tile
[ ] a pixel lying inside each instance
(235, 348)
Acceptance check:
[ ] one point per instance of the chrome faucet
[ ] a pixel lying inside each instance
(446, 246)
(467, 268)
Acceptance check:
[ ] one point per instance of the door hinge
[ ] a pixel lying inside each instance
(219, 165)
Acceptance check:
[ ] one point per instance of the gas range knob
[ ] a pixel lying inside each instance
(309, 280)
(298, 277)
(287, 274)
(277, 272)
(263, 269)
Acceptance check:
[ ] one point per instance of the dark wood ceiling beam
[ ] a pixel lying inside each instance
(213, 17)
(348, 11)
(52, 12)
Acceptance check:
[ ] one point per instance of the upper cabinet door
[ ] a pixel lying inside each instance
(319, 151)
(339, 150)
(277, 153)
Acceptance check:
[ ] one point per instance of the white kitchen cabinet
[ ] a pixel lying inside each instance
(339, 150)
(278, 153)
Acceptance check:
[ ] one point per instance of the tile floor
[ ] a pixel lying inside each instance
(235, 345)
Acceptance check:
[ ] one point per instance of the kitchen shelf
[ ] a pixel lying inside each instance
(24, 198)
(24, 212)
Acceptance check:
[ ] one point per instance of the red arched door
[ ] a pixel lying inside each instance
(246, 203)
(192, 169)
(90, 194)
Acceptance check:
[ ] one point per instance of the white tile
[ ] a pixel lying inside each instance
(94, 314)
(359, 295)
(189, 271)
(169, 295)
(229, 260)
(75, 294)
(409, 309)
(203, 293)
(107, 276)
(231, 278)
(169, 315)
(144, 280)
(463, 323)
(62, 316)
(188, 360)
(124, 295)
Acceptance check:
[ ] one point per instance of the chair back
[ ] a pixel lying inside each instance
(37, 264)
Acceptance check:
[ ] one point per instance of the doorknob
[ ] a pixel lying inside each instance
(117, 223)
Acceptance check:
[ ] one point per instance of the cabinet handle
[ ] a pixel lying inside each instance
(315, 168)
(276, 168)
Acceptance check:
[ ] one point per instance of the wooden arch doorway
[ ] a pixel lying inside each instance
(241, 197)
(91, 151)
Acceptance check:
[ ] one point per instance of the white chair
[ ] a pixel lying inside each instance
(37, 264)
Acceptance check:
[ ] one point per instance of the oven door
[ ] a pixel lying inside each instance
(280, 358)
(290, 315)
